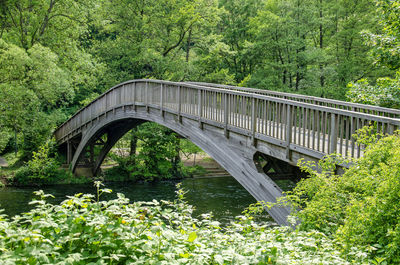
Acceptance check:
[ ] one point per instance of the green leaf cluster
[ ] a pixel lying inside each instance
(82, 230)
(359, 208)
(385, 93)
(43, 168)
(157, 156)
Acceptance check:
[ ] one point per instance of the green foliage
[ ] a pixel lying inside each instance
(43, 70)
(159, 151)
(386, 52)
(385, 93)
(190, 171)
(311, 47)
(55, 56)
(43, 168)
(82, 230)
(157, 157)
(151, 39)
(359, 208)
(386, 44)
(5, 137)
(35, 85)
(188, 148)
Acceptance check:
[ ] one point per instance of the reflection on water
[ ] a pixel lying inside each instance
(223, 196)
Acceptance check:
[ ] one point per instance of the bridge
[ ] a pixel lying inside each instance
(258, 136)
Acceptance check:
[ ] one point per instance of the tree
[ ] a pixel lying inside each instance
(311, 46)
(234, 27)
(386, 51)
(147, 39)
(32, 86)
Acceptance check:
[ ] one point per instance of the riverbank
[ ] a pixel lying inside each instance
(203, 166)
(210, 166)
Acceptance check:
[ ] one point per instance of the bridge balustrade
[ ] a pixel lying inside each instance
(309, 125)
(369, 109)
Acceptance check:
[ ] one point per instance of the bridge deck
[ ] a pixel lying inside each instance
(312, 129)
(236, 126)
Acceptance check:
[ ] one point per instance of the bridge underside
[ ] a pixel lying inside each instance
(254, 166)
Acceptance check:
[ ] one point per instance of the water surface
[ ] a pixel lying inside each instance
(223, 196)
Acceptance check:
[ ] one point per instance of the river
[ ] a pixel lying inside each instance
(223, 196)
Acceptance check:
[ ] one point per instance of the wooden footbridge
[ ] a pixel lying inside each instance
(256, 135)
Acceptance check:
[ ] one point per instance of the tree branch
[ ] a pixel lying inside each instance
(181, 37)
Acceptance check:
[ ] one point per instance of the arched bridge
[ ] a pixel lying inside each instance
(256, 135)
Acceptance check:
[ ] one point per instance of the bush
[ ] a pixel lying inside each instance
(42, 168)
(386, 92)
(82, 230)
(157, 156)
(361, 207)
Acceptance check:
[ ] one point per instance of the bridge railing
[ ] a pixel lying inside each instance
(369, 109)
(294, 125)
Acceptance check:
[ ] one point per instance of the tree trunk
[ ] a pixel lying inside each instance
(133, 145)
(321, 45)
(189, 40)
(16, 143)
(177, 158)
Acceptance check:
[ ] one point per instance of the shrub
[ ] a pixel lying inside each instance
(82, 230)
(361, 207)
(385, 93)
(42, 168)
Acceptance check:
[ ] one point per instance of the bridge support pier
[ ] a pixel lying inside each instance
(96, 149)
(69, 152)
(277, 169)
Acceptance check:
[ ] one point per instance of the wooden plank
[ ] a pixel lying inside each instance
(352, 130)
(319, 131)
(288, 131)
(200, 107)
(226, 114)
(253, 120)
(308, 127)
(341, 134)
(179, 104)
(314, 124)
(324, 132)
(162, 100)
(146, 91)
(333, 134)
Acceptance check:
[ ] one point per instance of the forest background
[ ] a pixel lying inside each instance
(58, 55)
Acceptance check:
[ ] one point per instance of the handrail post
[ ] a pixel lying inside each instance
(134, 96)
(288, 131)
(253, 121)
(391, 129)
(226, 115)
(200, 107)
(146, 96)
(179, 105)
(333, 134)
(106, 101)
(122, 97)
(162, 100)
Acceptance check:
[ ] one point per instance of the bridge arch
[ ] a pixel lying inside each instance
(237, 160)
(233, 125)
